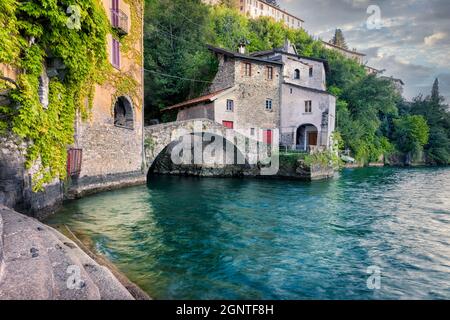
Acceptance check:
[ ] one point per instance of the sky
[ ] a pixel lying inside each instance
(409, 39)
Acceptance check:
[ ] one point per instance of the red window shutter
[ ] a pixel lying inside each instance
(268, 136)
(228, 124)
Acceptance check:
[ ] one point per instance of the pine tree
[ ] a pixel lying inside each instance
(435, 96)
(339, 40)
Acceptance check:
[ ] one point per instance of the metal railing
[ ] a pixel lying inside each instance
(119, 21)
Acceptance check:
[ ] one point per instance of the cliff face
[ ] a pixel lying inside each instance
(39, 263)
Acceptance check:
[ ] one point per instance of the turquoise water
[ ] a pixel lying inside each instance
(189, 238)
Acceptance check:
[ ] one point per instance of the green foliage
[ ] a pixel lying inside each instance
(411, 133)
(367, 106)
(32, 32)
(323, 159)
(437, 116)
(291, 158)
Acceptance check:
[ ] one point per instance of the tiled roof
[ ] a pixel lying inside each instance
(283, 51)
(242, 56)
(307, 88)
(206, 98)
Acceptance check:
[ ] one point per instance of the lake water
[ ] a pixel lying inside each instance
(192, 238)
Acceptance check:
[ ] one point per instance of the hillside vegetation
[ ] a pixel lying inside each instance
(372, 118)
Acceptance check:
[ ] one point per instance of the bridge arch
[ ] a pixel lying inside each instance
(220, 155)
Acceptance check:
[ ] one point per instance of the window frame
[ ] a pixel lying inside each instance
(269, 105)
(269, 73)
(115, 53)
(308, 106)
(247, 69)
(229, 105)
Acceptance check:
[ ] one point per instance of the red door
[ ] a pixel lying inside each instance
(268, 136)
(228, 124)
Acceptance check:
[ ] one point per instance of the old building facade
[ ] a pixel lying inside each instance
(271, 90)
(259, 8)
(110, 143)
(108, 146)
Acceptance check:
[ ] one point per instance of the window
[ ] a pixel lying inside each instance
(115, 54)
(228, 124)
(297, 74)
(123, 113)
(308, 106)
(311, 72)
(248, 69)
(291, 90)
(269, 73)
(252, 131)
(230, 105)
(269, 105)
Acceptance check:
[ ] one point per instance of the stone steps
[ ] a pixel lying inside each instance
(39, 263)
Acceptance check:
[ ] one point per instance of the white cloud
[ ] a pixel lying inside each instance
(435, 38)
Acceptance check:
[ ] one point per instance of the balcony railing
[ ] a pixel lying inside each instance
(119, 21)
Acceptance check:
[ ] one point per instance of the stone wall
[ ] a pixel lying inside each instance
(225, 76)
(16, 182)
(202, 111)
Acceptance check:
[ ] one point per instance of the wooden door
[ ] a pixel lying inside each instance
(312, 138)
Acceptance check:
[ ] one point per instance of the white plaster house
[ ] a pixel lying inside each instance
(260, 8)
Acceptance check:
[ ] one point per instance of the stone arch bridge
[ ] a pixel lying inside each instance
(248, 157)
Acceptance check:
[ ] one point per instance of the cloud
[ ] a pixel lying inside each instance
(435, 38)
(413, 44)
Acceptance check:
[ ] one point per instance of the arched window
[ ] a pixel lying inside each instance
(297, 74)
(123, 113)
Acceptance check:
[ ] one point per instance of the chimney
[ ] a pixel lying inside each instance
(287, 45)
(242, 47)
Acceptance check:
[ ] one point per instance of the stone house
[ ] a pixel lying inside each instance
(260, 8)
(108, 148)
(258, 93)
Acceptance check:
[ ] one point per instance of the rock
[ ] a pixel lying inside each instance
(35, 266)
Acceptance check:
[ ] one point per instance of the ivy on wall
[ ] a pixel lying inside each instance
(35, 33)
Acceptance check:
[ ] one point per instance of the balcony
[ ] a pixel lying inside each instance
(119, 21)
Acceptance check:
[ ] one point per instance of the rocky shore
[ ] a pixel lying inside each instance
(39, 263)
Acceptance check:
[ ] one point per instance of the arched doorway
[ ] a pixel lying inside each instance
(307, 137)
(123, 113)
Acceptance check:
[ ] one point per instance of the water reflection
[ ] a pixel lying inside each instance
(192, 238)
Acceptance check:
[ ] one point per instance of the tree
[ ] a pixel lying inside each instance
(435, 111)
(435, 96)
(338, 39)
(177, 61)
(411, 133)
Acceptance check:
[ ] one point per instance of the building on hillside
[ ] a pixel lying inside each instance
(398, 83)
(277, 89)
(371, 70)
(351, 54)
(260, 8)
(108, 147)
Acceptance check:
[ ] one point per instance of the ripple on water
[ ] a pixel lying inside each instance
(186, 238)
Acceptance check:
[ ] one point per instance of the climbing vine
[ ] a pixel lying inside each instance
(35, 33)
